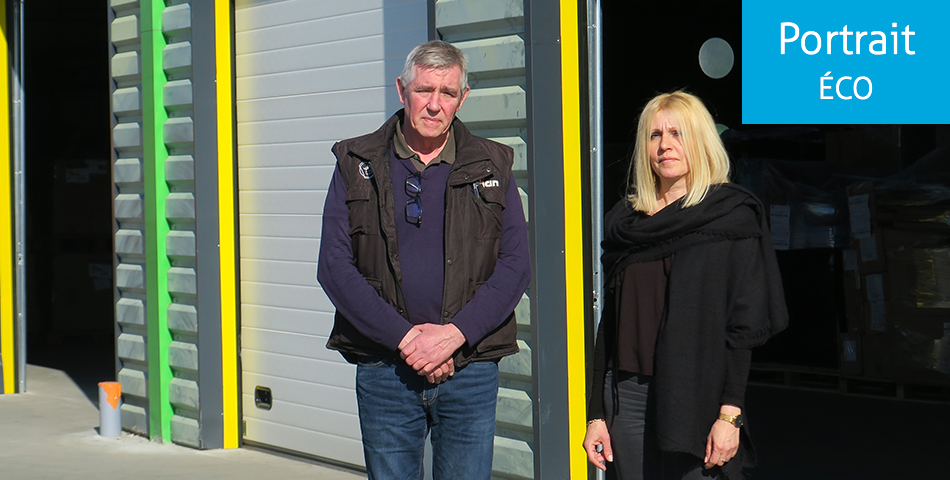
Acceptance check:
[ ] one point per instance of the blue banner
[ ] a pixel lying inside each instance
(845, 61)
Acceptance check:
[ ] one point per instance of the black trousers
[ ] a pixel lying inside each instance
(629, 403)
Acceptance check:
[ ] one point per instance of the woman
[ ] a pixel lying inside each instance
(692, 286)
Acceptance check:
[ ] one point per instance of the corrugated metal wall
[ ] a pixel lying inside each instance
(179, 136)
(308, 75)
(491, 33)
(129, 211)
(157, 272)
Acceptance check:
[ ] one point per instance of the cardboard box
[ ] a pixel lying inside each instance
(849, 349)
(875, 355)
(918, 268)
(874, 302)
(852, 293)
(861, 209)
(932, 323)
(904, 356)
(871, 254)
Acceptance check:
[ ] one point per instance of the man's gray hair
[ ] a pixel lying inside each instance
(438, 55)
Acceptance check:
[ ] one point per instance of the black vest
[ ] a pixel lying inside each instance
(473, 229)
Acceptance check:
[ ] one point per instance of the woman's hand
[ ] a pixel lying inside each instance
(597, 435)
(723, 440)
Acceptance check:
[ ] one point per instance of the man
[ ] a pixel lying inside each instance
(424, 254)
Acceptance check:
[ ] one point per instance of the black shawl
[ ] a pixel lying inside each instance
(724, 293)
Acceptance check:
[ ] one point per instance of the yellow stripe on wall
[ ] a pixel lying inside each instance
(573, 237)
(226, 231)
(7, 310)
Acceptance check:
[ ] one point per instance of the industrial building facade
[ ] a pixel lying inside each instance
(223, 114)
(194, 267)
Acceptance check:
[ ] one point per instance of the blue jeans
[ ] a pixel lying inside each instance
(398, 408)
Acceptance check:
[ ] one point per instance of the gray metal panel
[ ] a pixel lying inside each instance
(17, 95)
(204, 170)
(308, 74)
(545, 162)
(129, 246)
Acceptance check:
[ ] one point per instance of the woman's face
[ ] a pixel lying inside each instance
(667, 155)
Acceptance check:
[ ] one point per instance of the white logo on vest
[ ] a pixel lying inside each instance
(365, 170)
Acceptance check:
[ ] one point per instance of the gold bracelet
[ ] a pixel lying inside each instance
(596, 420)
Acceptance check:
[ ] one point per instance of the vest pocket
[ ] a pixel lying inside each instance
(361, 214)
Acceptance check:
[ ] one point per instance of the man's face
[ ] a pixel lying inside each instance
(432, 100)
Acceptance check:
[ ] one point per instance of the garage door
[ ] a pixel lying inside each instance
(308, 74)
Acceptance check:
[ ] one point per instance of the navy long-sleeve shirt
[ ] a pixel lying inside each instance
(422, 259)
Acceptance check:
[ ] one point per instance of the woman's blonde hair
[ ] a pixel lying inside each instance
(707, 158)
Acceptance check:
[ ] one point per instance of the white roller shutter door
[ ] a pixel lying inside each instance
(309, 73)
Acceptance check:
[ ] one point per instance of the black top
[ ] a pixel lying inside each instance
(642, 300)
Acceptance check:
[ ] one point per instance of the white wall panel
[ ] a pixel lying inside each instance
(304, 440)
(349, 26)
(321, 372)
(309, 73)
(281, 225)
(293, 249)
(286, 178)
(278, 272)
(259, 14)
(286, 154)
(289, 320)
(286, 296)
(298, 392)
(362, 100)
(293, 202)
(308, 129)
(330, 79)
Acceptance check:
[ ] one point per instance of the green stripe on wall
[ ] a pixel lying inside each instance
(156, 226)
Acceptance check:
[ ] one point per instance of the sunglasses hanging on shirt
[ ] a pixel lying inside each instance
(414, 203)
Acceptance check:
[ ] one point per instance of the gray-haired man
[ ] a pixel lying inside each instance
(424, 254)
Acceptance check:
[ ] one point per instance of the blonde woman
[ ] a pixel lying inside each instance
(692, 285)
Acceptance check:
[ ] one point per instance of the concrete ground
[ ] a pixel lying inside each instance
(50, 433)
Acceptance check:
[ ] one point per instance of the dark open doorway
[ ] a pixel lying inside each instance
(810, 417)
(68, 189)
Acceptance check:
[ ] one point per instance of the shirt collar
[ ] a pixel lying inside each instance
(402, 149)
